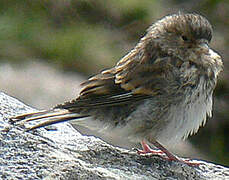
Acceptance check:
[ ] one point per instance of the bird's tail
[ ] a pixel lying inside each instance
(46, 118)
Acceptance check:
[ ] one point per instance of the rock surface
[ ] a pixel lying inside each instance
(64, 153)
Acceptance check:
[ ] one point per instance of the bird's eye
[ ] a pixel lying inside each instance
(184, 38)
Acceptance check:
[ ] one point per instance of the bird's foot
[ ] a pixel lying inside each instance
(147, 150)
(187, 161)
(164, 153)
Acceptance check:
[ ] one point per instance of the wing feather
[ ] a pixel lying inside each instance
(139, 75)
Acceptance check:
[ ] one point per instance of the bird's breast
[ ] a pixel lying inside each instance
(184, 118)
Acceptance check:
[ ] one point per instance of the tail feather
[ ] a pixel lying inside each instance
(46, 118)
(43, 115)
(27, 115)
(55, 120)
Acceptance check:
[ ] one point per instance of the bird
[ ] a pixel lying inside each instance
(159, 93)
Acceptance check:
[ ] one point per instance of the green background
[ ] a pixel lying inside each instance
(86, 36)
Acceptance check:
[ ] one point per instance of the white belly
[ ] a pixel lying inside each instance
(186, 117)
(179, 121)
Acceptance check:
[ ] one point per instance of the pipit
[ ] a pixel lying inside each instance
(161, 91)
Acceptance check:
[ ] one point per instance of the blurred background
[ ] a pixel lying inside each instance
(47, 48)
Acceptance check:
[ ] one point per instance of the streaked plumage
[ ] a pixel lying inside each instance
(160, 91)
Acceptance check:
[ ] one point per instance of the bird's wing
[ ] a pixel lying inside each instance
(101, 91)
(139, 75)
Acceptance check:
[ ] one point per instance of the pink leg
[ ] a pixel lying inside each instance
(171, 157)
(147, 149)
(163, 151)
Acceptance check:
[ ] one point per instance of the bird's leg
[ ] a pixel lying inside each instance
(172, 157)
(146, 149)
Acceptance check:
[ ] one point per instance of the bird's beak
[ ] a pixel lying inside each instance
(204, 45)
(211, 56)
(214, 55)
(214, 58)
(211, 53)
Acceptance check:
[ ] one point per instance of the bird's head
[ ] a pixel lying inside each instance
(177, 33)
(183, 36)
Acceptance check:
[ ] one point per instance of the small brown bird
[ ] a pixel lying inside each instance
(161, 91)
